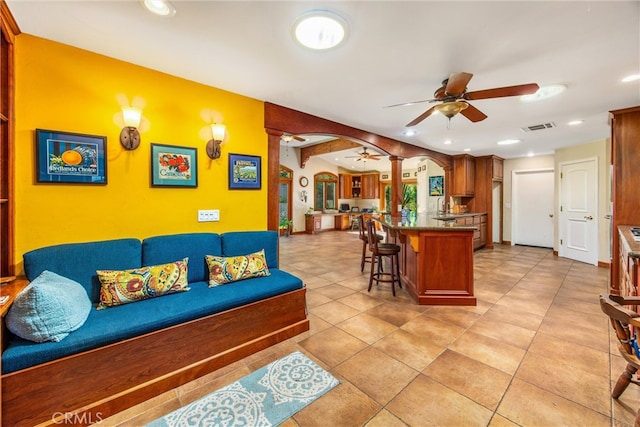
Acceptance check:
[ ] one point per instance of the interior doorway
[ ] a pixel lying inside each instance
(533, 207)
(497, 212)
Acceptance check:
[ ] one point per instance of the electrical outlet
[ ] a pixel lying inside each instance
(208, 215)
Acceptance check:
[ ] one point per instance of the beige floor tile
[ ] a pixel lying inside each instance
(335, 291)
(500, 421)
(334, 312)
(453, 315)
(414, 350)
(423, 403)
(504, 332)
(394, 313)
(332, 346)
(345, 405)
(567, 381)
(360, 301)
(367, 328)
(475, 380)
(527, 405)
(585, 358)
(514, 316)
(492, 352)
(315, 299)
(441, 333)
(379, 376)
(385, 418)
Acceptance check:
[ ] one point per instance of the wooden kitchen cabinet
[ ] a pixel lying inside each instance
(370, 187)
(629, 260)
(625, 157)
(497, 168)
(480, 221)
(359, 186)
(313, 224)
(344, 184)
(464, 176)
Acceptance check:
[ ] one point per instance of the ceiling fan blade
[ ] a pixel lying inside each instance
(501, 92)
(297, 138)
(406, 104)
(473, 114)
(421, 117)
(457, 83)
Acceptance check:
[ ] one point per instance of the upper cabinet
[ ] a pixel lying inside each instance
(464, 176)
(497, 168)
(359, 186)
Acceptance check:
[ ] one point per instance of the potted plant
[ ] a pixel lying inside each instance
(286, 226)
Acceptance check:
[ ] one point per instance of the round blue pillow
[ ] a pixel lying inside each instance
(48, 309)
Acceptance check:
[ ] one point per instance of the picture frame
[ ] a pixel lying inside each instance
(406, 174)
(70, 158)
(245, 172)
(174, 166)
(436, 185)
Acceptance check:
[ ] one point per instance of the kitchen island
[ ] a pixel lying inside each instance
(436, 258)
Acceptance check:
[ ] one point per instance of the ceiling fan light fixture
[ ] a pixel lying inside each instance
(544, 92)
(320, 30)
(450, 109)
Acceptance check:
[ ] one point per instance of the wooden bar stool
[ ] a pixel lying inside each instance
(378, 251)
(365, 241)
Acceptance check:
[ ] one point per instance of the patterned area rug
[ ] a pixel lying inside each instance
(265, 397)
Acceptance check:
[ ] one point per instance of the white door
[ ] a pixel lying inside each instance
(578, 211)
(532, 198)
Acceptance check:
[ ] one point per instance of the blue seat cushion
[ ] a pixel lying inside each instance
(104, 327)
(165, 249)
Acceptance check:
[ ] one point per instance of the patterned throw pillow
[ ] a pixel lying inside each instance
(230, 269)
(123, 287)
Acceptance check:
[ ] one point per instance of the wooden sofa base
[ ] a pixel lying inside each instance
(91, 386)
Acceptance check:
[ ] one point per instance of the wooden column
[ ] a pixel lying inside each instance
(396, 183)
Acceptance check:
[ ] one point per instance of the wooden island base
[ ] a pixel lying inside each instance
(436, 261)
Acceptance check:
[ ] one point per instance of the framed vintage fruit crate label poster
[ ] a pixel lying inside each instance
(244, 172)
(173, 166)
(73, 158)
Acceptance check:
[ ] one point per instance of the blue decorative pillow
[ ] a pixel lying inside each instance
(49, 308)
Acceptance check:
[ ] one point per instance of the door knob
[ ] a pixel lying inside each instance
(588, 217)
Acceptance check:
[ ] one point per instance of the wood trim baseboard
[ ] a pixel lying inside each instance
(506, 242)
(602, 264)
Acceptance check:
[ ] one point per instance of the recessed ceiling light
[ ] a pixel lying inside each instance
(508, 141)
(159, 7)
(575, 122)
(544, 92)
(448, 142)
(631, 78)
(530, 154)
(320, 30)
(409, 132)
(467, 149)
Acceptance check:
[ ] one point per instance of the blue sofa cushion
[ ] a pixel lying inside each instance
(104, 327)
(48, 309)
(79, 261)
(195, 246)
(237, 243)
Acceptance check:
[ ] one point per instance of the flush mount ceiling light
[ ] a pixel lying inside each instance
(575, 122)
(544, 92)
(631, 78)
(409, 132)
(508, 141)
(159, 7)
(320, 30)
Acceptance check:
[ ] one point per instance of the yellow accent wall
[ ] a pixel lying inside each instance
(62, 88)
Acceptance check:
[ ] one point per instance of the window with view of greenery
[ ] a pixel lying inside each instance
(409, 197)
(326, 194)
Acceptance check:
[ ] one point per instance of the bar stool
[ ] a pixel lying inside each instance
(365, 241)
(379, 250)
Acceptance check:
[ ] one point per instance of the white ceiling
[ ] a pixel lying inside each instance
(397, 52)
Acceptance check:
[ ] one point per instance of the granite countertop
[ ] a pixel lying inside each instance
(422, 222)
(634, 247)
(446, 216)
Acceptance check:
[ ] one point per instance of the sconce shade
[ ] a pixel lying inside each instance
(213, 146)
(218, 131)
(131, 116)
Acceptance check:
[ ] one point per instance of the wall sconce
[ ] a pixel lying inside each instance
(213, 146)
(129, 136)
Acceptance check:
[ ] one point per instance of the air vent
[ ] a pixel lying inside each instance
(542, 126)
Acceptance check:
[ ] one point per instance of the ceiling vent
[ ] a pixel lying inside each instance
(542, 126)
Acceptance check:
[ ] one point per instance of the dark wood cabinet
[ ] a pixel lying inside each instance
(629, 272)
(370, 186)
(480, 234)
(464, 176)
(625, 158)
(313, 224)
(497, 168)
(363, 186)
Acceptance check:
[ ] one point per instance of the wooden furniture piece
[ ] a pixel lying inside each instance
(625, 158)
(489, 174)
(625, 323)
(480, 221)
(436, 259)
(629, 255)
(364, 237)
(359, 186)
(464, 176)
(312, 224)
(76, 384)
(378, 252)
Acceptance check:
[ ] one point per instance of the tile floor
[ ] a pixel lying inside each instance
(535, 351)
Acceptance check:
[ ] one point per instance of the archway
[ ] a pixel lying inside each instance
(279, 120)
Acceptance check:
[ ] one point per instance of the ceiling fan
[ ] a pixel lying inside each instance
(365, 155)
(288, 138)
(454, 96)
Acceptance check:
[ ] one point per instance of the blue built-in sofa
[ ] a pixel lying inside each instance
(126, 354)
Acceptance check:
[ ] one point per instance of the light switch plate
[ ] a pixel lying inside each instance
(208, 215)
